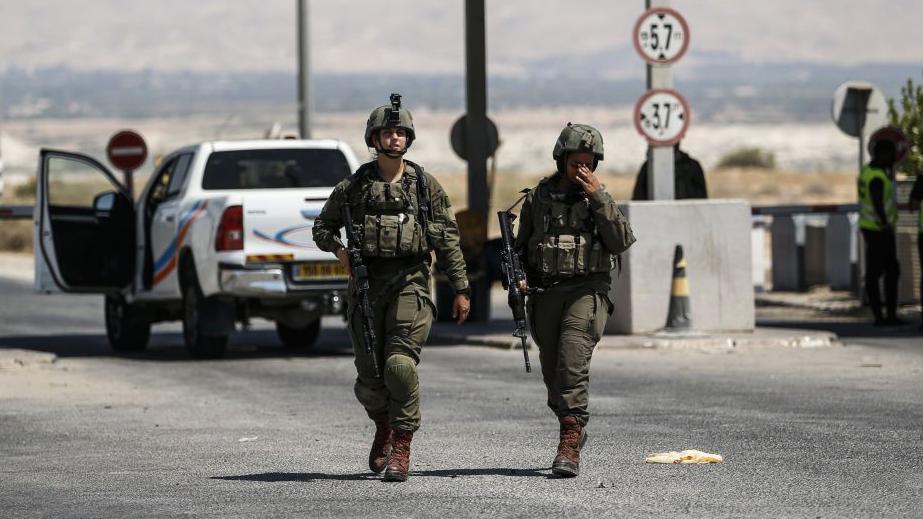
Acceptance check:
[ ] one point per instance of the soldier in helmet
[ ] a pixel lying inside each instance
(401, 214)
(569, 234)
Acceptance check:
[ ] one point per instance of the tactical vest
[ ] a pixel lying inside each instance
(565, 243)
(868, 218)
(389, 217)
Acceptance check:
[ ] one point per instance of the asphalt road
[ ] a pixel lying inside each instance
(833, 432)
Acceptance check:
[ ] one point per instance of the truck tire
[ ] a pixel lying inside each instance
(198, 345)
(300, 338)
(126, 330)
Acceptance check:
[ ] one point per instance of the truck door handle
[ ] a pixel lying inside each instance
(169, 218)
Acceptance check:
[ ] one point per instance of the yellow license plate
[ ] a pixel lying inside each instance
(311, 271)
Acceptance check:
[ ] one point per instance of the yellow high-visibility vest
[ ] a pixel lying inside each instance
(868, 218)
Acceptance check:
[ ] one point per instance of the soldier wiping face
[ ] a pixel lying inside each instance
(579, 166)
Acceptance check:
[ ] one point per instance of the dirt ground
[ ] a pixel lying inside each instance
(758, 186)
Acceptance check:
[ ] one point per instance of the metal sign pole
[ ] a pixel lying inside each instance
(130, 183)
(660, 171)
(861, 150)
(304, 71)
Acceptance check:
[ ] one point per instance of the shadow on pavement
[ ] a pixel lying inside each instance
(307, 477)
(849, 329)
(455, 473)
(303, 477)
(169, 346)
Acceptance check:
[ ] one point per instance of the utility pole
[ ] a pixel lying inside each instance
(476, 138)
(304, 70)
(476, 105)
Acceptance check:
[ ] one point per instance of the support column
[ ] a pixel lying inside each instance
(784, 254)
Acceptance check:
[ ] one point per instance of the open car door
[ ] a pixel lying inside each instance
(84, 228)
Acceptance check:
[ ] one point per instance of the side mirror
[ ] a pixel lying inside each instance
(104, 202)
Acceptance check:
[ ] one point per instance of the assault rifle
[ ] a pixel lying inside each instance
(360, 274)
(512, 275)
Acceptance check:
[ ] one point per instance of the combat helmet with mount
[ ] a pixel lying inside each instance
(390, 116)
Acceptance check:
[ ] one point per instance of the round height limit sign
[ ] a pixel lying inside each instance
(662, 117)
(661, 36)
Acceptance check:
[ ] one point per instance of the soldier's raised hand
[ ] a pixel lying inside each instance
(587, 179)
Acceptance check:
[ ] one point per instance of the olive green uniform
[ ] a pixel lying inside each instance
(386, 217)
(568, 241)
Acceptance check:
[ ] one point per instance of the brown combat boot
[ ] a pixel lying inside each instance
(399, 464)
(381, 445)
(567, 463)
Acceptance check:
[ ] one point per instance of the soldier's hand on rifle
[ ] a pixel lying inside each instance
(523, 286)
(461, 308)
(344, 259)
(587, 179)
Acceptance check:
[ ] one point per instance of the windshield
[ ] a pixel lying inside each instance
(275, 169)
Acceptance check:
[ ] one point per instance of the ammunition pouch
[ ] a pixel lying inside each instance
(569, 246)
(390, 229)
(391, 236)
(386, 197)
(561, 256)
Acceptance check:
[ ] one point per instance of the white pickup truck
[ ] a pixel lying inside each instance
(220, 234)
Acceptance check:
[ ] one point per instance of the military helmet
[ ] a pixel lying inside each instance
(390, 116)
(578, 137)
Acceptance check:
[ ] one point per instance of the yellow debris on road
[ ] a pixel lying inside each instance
(688, 456)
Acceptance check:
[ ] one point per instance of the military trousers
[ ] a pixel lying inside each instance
(920, 260)
(402, 318)
(881, 260)
(566, 325)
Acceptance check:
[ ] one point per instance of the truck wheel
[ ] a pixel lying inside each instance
(199, 346)
(303, 338)
(125, 329)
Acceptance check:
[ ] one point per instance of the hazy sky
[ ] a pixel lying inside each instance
(427, 35)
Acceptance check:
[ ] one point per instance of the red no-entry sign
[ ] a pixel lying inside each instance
(126, 150)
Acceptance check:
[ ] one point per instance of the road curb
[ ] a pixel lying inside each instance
(727, 343)
(16, 266)
(835, 307)
(16, 358)
(480, 340)
(784, 339)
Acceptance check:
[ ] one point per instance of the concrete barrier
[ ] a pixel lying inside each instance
(839, 243)
(814, 255)
(715, 235)
(758, 241)
(784, 254)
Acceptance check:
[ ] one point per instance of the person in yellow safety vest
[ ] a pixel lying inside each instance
(916, 204)
(877, 220)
